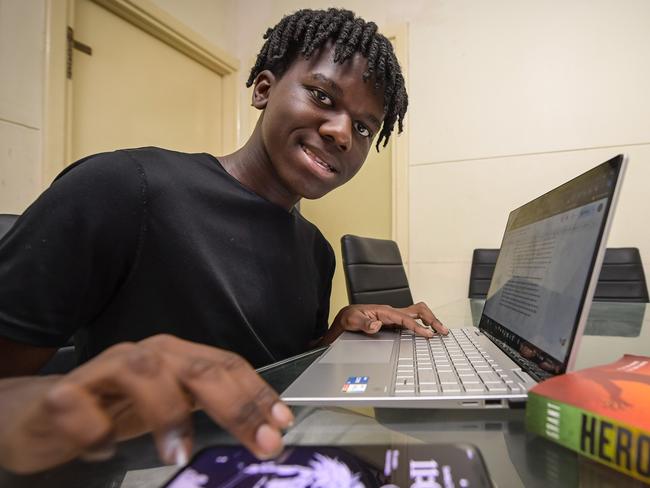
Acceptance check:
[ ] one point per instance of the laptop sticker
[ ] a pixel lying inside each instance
(355, 384)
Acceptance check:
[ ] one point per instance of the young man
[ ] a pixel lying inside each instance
(135, 243)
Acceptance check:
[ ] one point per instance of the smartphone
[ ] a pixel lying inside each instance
(387, 466)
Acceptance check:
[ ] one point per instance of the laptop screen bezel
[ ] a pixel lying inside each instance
(551, 364)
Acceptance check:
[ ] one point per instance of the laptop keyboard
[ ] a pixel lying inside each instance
(453, 364)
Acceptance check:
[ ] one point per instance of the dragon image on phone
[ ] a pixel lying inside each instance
(398, 466)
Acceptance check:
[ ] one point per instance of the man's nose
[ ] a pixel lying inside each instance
(338, 129)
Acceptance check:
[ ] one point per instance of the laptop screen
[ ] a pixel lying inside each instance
(545, 265)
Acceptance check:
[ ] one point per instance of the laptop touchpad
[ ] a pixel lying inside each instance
(359, 352)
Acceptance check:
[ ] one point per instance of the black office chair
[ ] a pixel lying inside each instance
(621, 278)
(374, 272)
(483, 263)
(6, 221)
(64, 359)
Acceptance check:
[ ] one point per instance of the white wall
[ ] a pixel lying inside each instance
(508, 99)
(22, 45)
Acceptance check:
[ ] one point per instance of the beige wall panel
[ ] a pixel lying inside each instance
(511, 77)
(20, 158)
(457, 207)
(22, 44)
(177, 101)
(438, 283)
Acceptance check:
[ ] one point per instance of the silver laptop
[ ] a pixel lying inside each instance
(530, 328)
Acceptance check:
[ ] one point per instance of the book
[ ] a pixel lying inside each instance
(602, 413)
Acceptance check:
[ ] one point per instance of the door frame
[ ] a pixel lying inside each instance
(398, 35)
(143, 14)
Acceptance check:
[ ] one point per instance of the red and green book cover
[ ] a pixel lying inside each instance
(602, 413)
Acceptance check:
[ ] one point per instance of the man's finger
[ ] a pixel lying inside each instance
(139, 373)
(81, 425)
(422, 311)
(394, 316)
(373, 326)
(230, 392)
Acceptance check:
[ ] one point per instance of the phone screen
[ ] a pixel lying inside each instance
(394, 466)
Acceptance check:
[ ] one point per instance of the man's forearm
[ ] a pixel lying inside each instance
(17, 395)
(18, 359)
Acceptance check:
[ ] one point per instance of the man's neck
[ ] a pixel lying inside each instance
(252, 167)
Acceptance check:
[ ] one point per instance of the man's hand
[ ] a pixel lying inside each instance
(129, 389)
(371, 318)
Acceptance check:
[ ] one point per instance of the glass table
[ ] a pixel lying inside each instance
(514, 458)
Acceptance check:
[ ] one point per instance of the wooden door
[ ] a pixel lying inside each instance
(135, 90)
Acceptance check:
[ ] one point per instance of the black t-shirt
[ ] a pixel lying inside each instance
(129, 244)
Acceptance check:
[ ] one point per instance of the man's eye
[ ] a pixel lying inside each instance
(322, 97)
(362, 129)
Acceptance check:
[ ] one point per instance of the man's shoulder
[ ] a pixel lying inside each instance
(159, 154)
(321, 244)
(150, 157)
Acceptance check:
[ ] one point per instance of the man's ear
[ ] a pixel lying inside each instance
(262, 89)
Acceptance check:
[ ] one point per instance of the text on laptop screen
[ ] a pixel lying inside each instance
(546, 259)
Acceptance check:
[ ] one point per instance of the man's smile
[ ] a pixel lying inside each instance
(318, 160)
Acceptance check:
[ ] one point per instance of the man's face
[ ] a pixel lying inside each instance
(319, 122)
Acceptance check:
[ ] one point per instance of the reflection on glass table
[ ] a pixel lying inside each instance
(513, 457)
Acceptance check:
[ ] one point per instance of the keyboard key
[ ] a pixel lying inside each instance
(451, 388)
(470, 380)
(426, 377)
(405, 353)
(428, 389)
(496, 388)
(489, 377)
(405, 374)
(405, 381)
(474, 387)
(447, 378)
(404, 392)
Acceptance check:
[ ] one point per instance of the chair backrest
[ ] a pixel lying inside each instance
(6, 221)
(374, 272)
(621, 278)
(63, 361)
(483, 263)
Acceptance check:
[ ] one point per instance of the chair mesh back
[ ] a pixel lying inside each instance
(374, 272)
(621, 278)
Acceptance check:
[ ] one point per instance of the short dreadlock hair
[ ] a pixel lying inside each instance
(306, 31)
